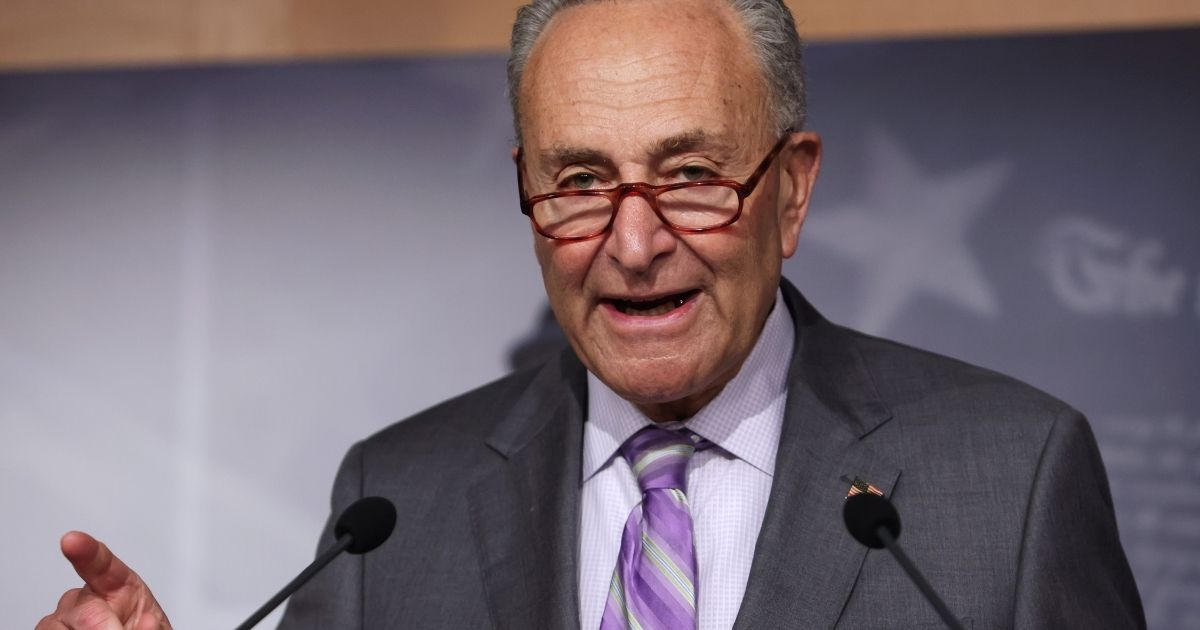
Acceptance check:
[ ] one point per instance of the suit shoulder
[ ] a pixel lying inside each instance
(910, 378)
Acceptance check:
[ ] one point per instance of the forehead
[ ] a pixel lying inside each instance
(633, 72)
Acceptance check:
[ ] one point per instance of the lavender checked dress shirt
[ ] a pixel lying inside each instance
(728, 485)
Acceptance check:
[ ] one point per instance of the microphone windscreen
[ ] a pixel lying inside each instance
(369, 521)
(865, 513)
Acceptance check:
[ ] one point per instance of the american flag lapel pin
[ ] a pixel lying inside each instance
(858, 486)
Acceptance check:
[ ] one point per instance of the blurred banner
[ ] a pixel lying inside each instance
(213, 281)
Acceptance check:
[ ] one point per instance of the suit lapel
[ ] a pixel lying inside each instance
(525, 512)
(805, 563)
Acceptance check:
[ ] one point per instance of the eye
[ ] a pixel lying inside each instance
(695, 173)
(579, 181)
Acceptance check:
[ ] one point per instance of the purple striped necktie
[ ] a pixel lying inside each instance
(654, 584)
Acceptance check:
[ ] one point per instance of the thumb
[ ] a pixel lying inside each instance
(99, 568)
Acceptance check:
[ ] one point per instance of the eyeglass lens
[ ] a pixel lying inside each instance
(694, 207)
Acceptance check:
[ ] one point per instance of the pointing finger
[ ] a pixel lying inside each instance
(98, 567)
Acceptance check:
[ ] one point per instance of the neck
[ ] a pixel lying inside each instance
(679, 410)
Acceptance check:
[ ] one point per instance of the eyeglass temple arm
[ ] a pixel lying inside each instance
(752, 182)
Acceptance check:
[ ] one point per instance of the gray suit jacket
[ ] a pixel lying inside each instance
(1003, 497)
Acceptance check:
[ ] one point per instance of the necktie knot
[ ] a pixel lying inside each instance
(659, 457)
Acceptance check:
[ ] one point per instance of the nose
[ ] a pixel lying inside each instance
(638, 237)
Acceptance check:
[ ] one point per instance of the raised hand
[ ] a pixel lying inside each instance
(113, 597)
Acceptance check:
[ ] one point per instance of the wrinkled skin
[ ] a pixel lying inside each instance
(610, 93)
(113, 596)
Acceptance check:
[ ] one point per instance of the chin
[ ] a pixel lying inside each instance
(651, 382)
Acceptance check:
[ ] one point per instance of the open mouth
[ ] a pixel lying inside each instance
(652, 308)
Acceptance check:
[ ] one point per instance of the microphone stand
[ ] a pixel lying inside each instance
(885, 536)
(326, 556)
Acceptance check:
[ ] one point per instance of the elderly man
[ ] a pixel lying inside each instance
(686, 464)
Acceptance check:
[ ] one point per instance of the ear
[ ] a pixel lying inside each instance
(800, 162)
(516, 154)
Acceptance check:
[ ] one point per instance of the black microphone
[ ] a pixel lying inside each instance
(362, 527)
(873, 521)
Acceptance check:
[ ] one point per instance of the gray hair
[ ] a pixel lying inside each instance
(773, 38)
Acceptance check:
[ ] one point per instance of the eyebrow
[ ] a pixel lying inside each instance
(560, 156)
(690, 140)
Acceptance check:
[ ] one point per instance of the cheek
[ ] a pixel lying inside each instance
(766, 242)
(747, 264)
(564, 268)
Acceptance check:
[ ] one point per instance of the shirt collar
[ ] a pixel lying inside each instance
(744, 419)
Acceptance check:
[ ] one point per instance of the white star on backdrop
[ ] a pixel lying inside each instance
(908, 233)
